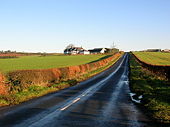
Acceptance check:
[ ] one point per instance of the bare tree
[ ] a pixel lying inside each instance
(70, 46)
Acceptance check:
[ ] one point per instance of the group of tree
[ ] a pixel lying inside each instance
(7, 51)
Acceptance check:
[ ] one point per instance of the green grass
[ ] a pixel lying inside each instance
(155, 91)
(155, 58)
(37, 62)
(33, 91)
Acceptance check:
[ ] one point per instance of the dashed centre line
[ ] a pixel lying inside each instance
(74, 101)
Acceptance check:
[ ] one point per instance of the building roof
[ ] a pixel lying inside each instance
(96, 50)
(84, 50)
(166, 49)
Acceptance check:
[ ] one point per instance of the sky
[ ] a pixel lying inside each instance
(51, 25)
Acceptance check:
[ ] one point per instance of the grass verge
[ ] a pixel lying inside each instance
(33, 91)
(155, 91)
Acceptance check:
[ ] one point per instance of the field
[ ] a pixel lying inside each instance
(40, 62)
(155, 91)
(154, 58)
(22, 85)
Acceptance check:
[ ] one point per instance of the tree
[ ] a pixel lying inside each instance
(113, 48)
(70, 46)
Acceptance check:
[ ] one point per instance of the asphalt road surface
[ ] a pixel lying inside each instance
(101, 101)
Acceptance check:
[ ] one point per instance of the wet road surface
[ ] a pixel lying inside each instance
(101, 101)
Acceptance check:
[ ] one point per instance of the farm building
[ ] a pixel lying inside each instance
(153, 50)
(71, 49)
(97, 50)
(84, 52)
(76, 50)
(166, 50)
(111, 50)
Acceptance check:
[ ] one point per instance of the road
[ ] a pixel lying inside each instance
(101, 101)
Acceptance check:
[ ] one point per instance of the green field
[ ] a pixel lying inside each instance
(39, 62)
(155, 58)
(155, 91)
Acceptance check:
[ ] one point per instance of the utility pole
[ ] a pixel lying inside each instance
(113, 45)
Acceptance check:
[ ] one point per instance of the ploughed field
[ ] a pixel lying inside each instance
(154, 58)
(46, 62)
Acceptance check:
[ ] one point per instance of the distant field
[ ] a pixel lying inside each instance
(37, 62)
(155, 58)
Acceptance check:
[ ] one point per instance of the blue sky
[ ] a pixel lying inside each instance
(50, 25)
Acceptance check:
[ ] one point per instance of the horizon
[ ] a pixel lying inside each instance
(12, 51)
(49, 26)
